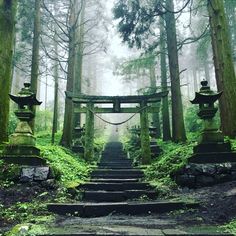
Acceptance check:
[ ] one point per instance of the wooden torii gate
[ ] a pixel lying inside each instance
(142, 107)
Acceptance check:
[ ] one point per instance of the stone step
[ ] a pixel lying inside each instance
(117, 171)
(131, 180)
(127, 208)
(114, 167)
(117, 176)
(91, 186)
(146, 232)
(122, 164)
(116, 161)
(117, 196)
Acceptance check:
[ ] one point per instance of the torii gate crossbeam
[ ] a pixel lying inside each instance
(144, 108)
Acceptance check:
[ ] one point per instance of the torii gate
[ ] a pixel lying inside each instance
(90, 110)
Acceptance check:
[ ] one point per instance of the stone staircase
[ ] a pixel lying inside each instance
(116, 187)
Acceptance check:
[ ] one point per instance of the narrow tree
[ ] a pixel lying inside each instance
(35, 53)
(79, 50)
(165, 104)
(66, 139)
(178, 128)
(224, 68)
(7, 26)
(56, 87)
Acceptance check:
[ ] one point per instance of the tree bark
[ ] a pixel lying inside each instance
(165, 104)
(178, 128)
(66, 139)
(7, 28)
(145, 140)
(79, 54)
(224, 68)
(35, 55)
(155, 116)
(56, 87)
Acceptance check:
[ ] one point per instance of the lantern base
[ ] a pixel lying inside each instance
(28, 160)
(212, 147)
(213, 157)
(78, 149)
(22, 155)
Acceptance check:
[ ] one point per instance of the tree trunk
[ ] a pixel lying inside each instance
(155, 116)
(165, 104)
(7, 27)
(207, 72)
(178, 128)
(79, 54)
(66, 139)
(56, 87)
(35, 55)
(195, 80)
(224, 68)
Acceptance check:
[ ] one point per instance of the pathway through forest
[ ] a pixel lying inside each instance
(117, 202)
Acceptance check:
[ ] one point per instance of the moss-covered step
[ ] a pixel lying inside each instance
(92, 186)
(127, 208)
(117, 196)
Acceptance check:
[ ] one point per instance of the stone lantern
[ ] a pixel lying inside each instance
(206, 99)
(21, 148)
(212, 161)
(211, 140)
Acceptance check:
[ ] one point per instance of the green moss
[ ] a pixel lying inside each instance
(230, 227)
(9, 171)
(66, 166)
(173, 158)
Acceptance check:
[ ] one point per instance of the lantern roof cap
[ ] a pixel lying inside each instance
(25, 96)
(206, 95)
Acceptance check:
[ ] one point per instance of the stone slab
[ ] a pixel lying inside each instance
(41, 173)
(115, 186)
(216, 157)
(127, 208)
(24, 160)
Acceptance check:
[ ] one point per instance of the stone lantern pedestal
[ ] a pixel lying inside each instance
(155, 149)
(21, 148)
(78, 146)
(212, 161)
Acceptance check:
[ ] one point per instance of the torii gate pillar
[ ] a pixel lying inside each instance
(145, 141)
(89, 133)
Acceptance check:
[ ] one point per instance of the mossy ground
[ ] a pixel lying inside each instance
(26, 202)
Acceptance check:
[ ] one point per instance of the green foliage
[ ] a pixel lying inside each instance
(44, 137)
(9, 172)
(135, 18)
(67, 167)
(192, 121)
(230, 227)
(12, 122)
(43, 121)
(173, 158)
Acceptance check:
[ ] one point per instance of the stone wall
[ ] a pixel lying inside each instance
(200, 175)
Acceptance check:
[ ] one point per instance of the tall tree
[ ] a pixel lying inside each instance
(136, 25)
(66, 139)
(79, 50)
(224, 68)
(35, 52)
(56, 88)
(7, 27)
(165, 104)
(178, 128)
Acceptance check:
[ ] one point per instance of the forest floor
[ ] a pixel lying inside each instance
(217, 208)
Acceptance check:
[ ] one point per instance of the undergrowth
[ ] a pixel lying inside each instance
(173, 157)
(230, 227)
(69, 169)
